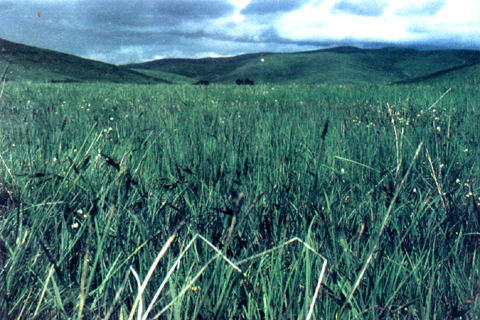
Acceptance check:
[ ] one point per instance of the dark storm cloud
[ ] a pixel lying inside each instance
(154, 13)
(422, 9)
(262, 7)
(193, 10)
(371, 8)
(109, 28)
(112, 13)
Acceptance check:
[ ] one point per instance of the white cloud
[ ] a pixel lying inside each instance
(456, 23)
(365, 28)
(240, 4)
(409, 21)
(321, 23)
(460, 11)
(304, 23)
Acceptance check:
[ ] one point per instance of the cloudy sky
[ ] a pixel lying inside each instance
(123, 31)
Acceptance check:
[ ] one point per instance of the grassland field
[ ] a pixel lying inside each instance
(97, 178)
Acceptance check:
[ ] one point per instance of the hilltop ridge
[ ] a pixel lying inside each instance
(37, 64)
(336, 65)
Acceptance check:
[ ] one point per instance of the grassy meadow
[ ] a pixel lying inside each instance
(104, 186)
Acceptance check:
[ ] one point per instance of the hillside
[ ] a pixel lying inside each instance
(35, 64)
(338, 65)
(468, 74)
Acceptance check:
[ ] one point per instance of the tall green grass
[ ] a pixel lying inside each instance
(96, 178)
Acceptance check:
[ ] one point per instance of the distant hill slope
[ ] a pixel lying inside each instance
(468, 74)
(340, 65)
(35, 64)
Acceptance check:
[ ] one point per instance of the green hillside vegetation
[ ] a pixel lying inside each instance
(212, 69)
(342, 65)
(171, 78)
(41, 65)
(463, 75)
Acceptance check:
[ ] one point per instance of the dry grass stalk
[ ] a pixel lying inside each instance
(377, 240)
(437, 183)
(441, 97)
(84, 271)
(8, 169)
(4, 79)
(355, 162)
(397, 145)
(50, 273)
(152, 269)
(25, 304)
(219, 253)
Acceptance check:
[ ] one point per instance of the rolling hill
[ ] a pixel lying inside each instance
(35, 64)
(338, 65)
